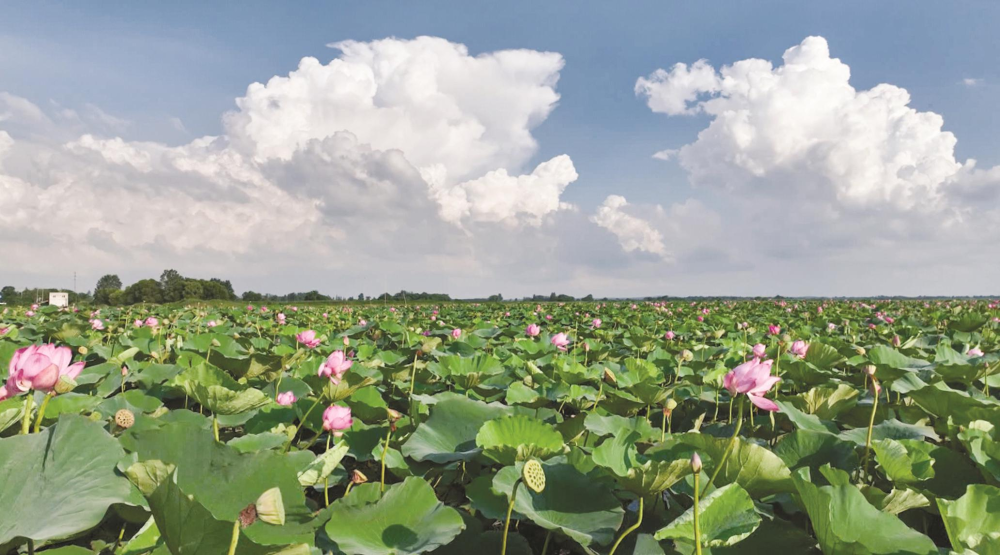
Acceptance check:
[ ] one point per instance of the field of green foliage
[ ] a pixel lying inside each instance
(714, 427)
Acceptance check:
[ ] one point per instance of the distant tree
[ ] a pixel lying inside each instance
(144, 291)
(116, 298)
(361, 296)
(193, 289)
(215, 289)
(171, 285)
(252, 296)
(230, 293)
(108, 281)
(9, 294)
(588, 298)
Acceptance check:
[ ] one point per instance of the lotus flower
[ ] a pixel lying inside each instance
(596, 323)
(532, 330)
(39, 367)
(335, 366)
(336, 419)
(285, 398)
(137, 323)
(362, 323)
(152, 322)
(759, 350)
(211, 323)
(974, 352)
(308, 338)
(29, 313)
(669, 335)
(281, 318)
(96, 324)
(560, 340)
(753, 378)
(773, 329)
(456, 333)
(799, 348)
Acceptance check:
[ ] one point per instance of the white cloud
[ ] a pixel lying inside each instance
(972, 82)
(633, 233)
(802, 129)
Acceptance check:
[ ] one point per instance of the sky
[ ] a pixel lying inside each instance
(614, 149)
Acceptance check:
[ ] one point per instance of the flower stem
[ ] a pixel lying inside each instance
(215, 426)
(697, 518)
(236, 538)
(630, 529)
(385, 450)
(545, 546)
(729, 446)
(326, 481)
(302, 423)
(868, 439)
(41, 412)
(510, 508)
(29, 400)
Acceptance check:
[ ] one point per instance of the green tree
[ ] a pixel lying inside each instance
(9, 294)
(252, 296)
(144, 291)
(171, 285)
(193, 289)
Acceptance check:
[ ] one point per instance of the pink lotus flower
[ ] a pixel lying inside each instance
(773, 329)
(759, 350)
(974, 352)
(137, 323)
(336, 419)
(34, 307)
(280, 317)
(285, 398)
(799, 348)
(532, 330)
(456, 333)
(29, 313)
(701, 318)
(96, 324)
(831, 326)
(548, 316)
(560, 340)
(819, 310)
(211, 324)
(669, 335)
(896, 341)
(754, 379)
(335, 366)
(362, 323)
(308, 338)
(249, 307)
(3, 331)
(596, 323)
(39, 367)
(152, 322)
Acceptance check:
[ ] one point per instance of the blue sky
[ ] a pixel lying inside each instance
(154, 65)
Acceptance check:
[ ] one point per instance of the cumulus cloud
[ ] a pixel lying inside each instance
(633, 233)
(801, 128)
(378, 156)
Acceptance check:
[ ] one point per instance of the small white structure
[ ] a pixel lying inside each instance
(58, 299)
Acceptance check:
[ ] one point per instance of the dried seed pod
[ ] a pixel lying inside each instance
(533, 475)
(358, 477)
(248, 515)
(124, 418)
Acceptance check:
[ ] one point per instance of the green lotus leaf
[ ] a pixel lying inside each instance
(726, 516)
(408, 519)
(59, 482)
(450, 433)
(518, 438)
(973, 520)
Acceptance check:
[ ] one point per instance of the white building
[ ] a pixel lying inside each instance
(59, 299)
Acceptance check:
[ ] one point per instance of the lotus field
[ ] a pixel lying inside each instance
(794, 427)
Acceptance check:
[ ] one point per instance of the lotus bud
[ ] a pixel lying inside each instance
(65, 385)
(124, 370)
(124, 418)
(687, 355)
(695, 463)
(870, 369)
(270, 507)
(533, 475)
(610, 376)
(236, 336)
(347, 341)
(358, 477)
(860, 350)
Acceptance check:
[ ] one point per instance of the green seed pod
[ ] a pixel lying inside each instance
(270, 507)
(687, 355)
(65, 385)
(860, 350)
(671, 404)
(533, 475)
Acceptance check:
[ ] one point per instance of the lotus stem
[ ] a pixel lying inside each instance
(29, 400)
(301, 422)
(41, 412)
(236, 537)
(630, 529)
(385, 450)
(545, 546)
(871, 424)
(729, 446)
(510, 508)
(215, 426)
(697, 518)
(326, 481)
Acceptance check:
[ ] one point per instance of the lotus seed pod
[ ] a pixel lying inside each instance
(696, 463)
(236, 336)
(358, 477)
(860, 350)
(65, 385)
(671, 404)
(687, 355)
(83, 350)
(124, 418)
(870, 369)
(533, 475)
(270, 507)
(610, 376)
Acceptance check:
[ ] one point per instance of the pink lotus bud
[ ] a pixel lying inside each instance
(669, 335)
(336, 419)
(532, 330)
(456, 333)
(759, 350)
(696, 463)
(286, 398)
